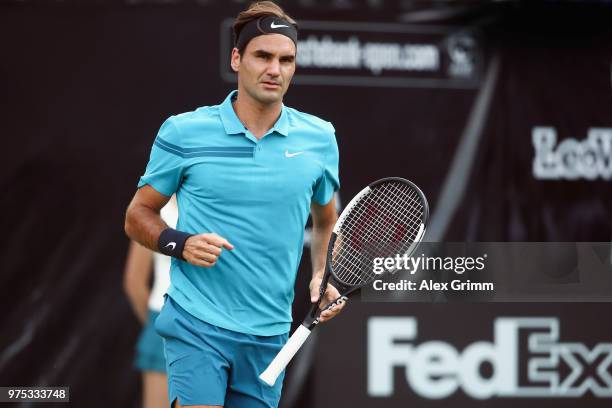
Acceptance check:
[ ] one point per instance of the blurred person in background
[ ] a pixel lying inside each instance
(147, 302)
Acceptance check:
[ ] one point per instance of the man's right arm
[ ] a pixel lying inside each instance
(144, 225)
(143, 222)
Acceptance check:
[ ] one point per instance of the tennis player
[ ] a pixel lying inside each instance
(246, 174)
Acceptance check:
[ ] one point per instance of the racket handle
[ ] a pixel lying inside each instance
(284, 356)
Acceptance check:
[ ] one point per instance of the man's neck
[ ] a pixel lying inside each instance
(255, 116)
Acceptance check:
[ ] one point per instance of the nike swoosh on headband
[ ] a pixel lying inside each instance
(277, 26)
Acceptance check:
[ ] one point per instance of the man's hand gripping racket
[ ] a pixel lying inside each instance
(387, 218)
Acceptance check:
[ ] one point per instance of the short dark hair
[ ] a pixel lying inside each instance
(256, 10)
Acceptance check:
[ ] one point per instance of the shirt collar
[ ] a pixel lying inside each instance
(234, 126)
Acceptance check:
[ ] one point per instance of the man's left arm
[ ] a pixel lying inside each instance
(323, 219)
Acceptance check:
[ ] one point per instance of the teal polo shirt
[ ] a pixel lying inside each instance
(257, 195)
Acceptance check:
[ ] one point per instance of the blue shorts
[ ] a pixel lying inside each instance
(150, 347)
(208, 365)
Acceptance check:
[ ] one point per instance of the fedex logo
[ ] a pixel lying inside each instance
(437, 369)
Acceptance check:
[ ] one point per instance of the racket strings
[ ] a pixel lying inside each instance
(387, 225)
(385, 222)
(354, 256)
(353, 264)
(360, 259)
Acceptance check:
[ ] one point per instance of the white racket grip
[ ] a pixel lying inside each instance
(284, 356)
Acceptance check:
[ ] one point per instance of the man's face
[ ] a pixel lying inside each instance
(266, 67)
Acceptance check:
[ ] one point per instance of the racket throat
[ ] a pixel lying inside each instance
(314, 315)
(312, 319)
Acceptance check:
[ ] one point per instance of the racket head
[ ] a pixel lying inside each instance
(385, 219)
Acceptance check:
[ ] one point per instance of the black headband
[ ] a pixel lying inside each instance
(265, 25)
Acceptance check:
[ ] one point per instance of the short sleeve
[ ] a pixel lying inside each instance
(329, 181)
(166, 163)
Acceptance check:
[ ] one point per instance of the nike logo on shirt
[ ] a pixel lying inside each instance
(287, 154)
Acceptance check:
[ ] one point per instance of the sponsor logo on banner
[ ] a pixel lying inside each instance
(463, 53)
(572, 159)
(379, 55)
(546, 367)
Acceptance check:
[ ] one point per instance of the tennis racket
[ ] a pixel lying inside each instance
(385, 219)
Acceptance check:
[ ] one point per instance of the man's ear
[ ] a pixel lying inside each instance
(235, 61)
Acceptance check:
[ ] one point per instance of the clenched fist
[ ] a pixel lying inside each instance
(204, 249)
